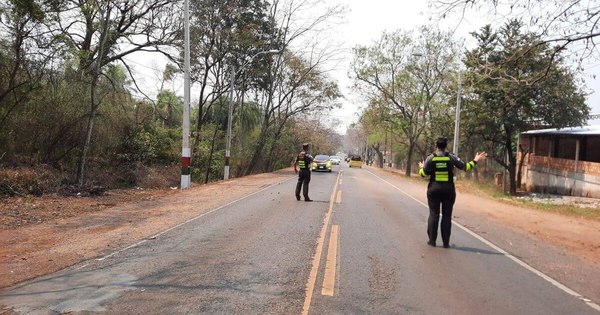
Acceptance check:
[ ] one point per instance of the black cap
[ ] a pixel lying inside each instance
(441, 142)
(305, 145)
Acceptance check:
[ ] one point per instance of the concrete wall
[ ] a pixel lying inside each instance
(562, 176)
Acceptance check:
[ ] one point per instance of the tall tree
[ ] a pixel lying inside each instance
(289, 73)
(23, 53)
(100, 32)
(407, 73)
(558, 24)
(224, 35)
(509, 101)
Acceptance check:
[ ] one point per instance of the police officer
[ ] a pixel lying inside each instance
(303, 162)
(439, 166)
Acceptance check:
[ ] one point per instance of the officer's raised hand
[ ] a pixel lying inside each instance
(421, 164)
(480, 156)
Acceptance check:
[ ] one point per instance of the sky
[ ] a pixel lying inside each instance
(363, 25)
(368, 19)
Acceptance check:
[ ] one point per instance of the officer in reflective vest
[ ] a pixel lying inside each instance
(303, 162)
(439, 166)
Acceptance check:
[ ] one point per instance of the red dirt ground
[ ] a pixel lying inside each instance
(40, 235)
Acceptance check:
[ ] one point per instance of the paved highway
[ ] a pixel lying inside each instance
(360, 248)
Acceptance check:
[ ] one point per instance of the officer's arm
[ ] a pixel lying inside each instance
(462, 165)
(296, 165)
(425, 169)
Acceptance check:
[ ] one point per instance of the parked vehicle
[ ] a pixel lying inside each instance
(321, 162)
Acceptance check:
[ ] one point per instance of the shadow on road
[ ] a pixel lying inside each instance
(475, 250)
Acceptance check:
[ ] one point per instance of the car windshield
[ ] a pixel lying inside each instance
(321, 157)
(355, 158)
(335, 157)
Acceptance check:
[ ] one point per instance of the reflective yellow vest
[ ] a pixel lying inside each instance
(300, 159)
(442, 168)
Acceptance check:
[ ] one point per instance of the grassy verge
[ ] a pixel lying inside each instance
(574, 208)
(489, 190)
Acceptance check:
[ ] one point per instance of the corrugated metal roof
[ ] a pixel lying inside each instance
(583, 131)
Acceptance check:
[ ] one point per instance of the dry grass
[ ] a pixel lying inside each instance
(588, 210)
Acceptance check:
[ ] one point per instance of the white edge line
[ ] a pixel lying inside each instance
(188, 221)
(544, 276)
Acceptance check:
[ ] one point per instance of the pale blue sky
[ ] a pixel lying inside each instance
(368, 19)
(364, 24)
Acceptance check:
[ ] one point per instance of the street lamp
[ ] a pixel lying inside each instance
(230, 110)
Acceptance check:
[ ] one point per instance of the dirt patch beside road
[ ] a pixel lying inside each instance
(40, 235)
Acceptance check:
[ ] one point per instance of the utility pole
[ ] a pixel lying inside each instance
(186, 151)
(457, 118)
(229, 114)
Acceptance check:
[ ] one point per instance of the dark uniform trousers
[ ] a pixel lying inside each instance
(303, 180)
(444, 194)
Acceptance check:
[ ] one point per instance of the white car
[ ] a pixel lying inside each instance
(335, 160)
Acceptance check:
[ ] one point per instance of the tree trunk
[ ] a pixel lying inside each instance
(512, 171)
(88, 134)
(379, 155)
(269, 165)
(411, 149)
(260, 144)
(95, 102)
(212, 149)
(521, 161)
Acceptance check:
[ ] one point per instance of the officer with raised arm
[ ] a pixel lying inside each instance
(440, 166)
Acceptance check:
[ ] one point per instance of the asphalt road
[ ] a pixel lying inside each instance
(359, 248)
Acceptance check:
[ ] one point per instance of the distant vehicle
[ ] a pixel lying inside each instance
(321, 163)
(335, 160)
(355, 161)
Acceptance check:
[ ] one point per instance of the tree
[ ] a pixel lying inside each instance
(303, 89)
(224, 34)
(290, 87)
(391, 71)
(169, 108)
(23, 54)
(374, 120)
(98, 33)
(557, 24)
(507, 106)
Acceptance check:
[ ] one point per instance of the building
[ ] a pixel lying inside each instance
(561, 161)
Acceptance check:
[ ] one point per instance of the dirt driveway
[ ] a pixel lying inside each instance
(40, 235)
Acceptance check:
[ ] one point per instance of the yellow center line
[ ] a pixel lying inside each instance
(331, 262)
(312, 278)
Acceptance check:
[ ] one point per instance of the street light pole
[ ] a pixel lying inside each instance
(230, 109)
(186, 151)
(457, 118)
